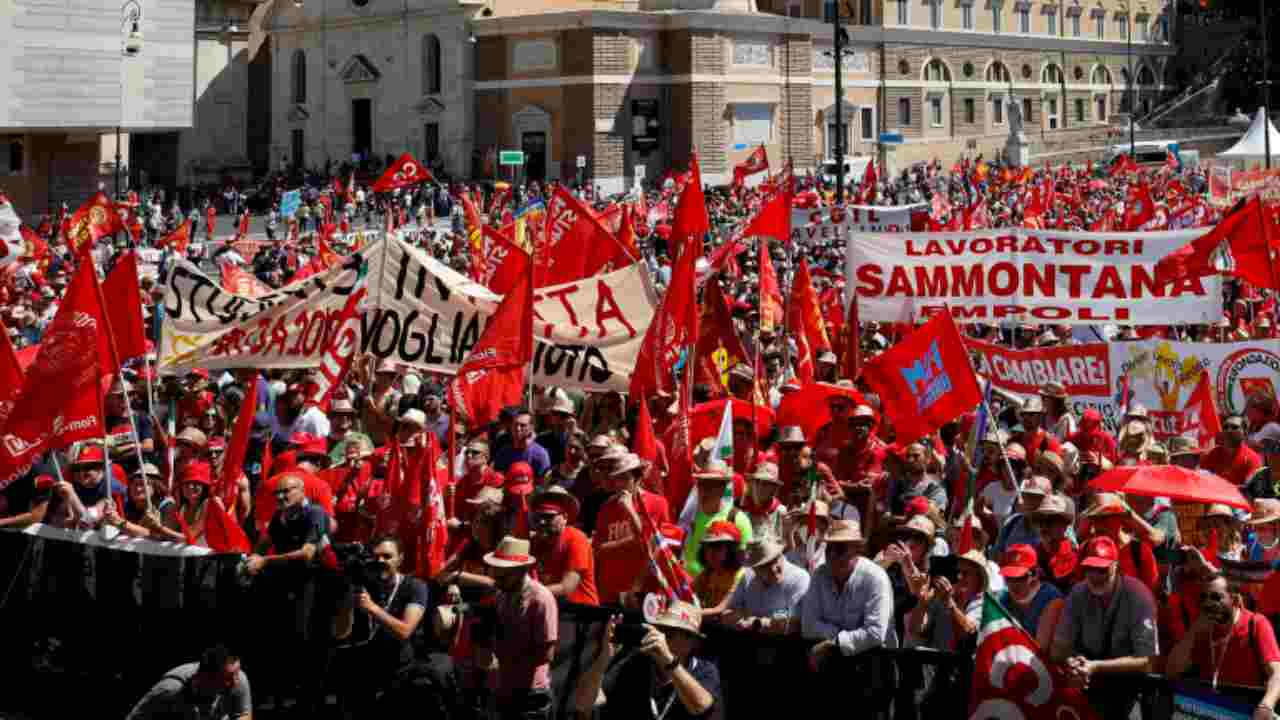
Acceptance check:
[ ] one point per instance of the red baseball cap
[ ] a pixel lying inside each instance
(1018, 560)
(722, 531)
(918, 505)
(197, 472)
(1100, 552)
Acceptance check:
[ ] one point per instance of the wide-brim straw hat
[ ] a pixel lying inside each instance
(511, 553)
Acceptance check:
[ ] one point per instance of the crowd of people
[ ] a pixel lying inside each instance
(843, 538)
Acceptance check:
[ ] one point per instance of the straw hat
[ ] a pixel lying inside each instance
(766, 473)
(1105, 504)
(1053, 506)
(627, 463)
(791, 435)
(1220, 510)
(1265, 511)
(820, 510)
(714, 469)
(1181, 445)
(1032, 404)
(414, 416)
(919, 525)
(510, 553)
(1054, 389)
(487, 495)
(763, 552)
(722, 531)
(193, 436)
(680, 615)
(556, 498)
(844, 531)
(977, 560)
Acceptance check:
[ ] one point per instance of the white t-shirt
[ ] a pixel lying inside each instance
(1000, 500)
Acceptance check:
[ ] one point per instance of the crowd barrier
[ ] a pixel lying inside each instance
(145, 606)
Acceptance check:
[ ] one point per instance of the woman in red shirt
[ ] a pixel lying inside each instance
(1110, 516)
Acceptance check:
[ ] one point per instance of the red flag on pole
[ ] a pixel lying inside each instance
(773, 220)
(10, 375)
(404, 172)
(852, 360)
(717, 339)
(805, 323)
(493, 375)
(1244, 244)
(94, 220)
(233, 459)
(179, 239)
(925, 380)
(756, 162)
(124, 308)
(61, 398)
(673, 329)
(770, 291)
(691, 221)
(1200, 415)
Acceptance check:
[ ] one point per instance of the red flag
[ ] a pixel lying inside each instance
(867, 191)
(434, 540)
(576, 244)
(1200, 415)
(852, 360)
(1122, 165)
(504, 263)
(94, 220)
(925, 380)
(1140, 208)
(773, 220)
(756, 162)
(626, 233)
(61, 398)
(233, 459)
(404, 172)
(1243, 244)
(239, 281)
(340, 353)
(10, 376)
(222, 532)
(674, 327)
(717, 340)
(180, 238)
(645, 443)
(124, 308)
(770, 291)
(805, 323)
(691, 222)
(493, 375)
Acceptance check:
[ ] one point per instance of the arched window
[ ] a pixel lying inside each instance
(998, 72)
(299, 76)
(1101, 76)
(430, 65)
(936, 71)
(1052, 75)
(1146, 76)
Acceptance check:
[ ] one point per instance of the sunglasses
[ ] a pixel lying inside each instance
(282, 493)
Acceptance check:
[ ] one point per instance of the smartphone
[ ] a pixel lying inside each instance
(947, 566)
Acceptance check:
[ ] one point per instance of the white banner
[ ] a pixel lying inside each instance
(826, 226)
(1026, 275)
(419, 312)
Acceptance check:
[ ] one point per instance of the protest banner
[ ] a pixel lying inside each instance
(1025, 275)
(1084, 370)
(1227, 186)
(419, 313)
(833, 225)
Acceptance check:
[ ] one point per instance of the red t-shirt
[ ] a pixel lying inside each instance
(1145, 569)
(469, 486)
(1235, 466)
(620, 568)
(1241, 662)
(571, 552)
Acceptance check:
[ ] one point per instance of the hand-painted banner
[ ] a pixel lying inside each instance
(833, 225)
(1226, 186)
(1084, 370)
(1026, 275)
(419, 313)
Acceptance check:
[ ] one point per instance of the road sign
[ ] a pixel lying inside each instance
(891, 138)
(511, 157)
(582, 161)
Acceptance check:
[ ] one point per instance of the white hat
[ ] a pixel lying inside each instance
(414, 416)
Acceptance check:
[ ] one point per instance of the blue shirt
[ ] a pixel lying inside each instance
(858, 616)
(534, 454)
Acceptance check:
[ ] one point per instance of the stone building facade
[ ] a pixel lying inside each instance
(355, 79)
(630, 90)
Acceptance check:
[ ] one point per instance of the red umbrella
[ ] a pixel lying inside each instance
(808, 407)
(704, 419)
(1171, 481)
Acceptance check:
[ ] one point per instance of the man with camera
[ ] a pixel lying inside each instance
(375, 623)
(660, 678)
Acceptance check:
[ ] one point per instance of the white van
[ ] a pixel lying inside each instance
(854, 169)
(1147, 151)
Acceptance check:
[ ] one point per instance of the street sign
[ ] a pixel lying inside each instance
(511, 157)
(640, 170)
(582, 161)
(891, 138)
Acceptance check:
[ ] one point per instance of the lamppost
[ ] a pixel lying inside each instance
(1266, 82)
(1133, 102)
(130, 46)
(840, 38)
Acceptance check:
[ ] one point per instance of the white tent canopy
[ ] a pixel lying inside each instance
(1253, 144)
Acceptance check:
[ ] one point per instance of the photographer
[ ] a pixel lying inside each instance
(375, 622)
(214, 688)
(661, 676)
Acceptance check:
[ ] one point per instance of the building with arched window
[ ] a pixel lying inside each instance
(361, 81)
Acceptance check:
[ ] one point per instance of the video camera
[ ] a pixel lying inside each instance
(358, 565)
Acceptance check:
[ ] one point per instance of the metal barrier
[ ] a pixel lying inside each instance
(130, 614)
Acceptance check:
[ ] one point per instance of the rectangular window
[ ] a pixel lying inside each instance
(995, 18)
(430, 142)
(935, 111)
(1100, 109)
(752, 123)
(1100, 27)
(904, 12)
(970, 111)
(1051, 23)
(1075, 26)
(997, 111)
(867, 122)
(1144, 34)
(1080, 113)
(935, 14)
(828, 11)
(1026, 110)
(795, 10)
(297, 146)
(1051, 112)
(1122, 26)
(904, 112)
(1024, 21)
(966, 17)
(11, 155)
